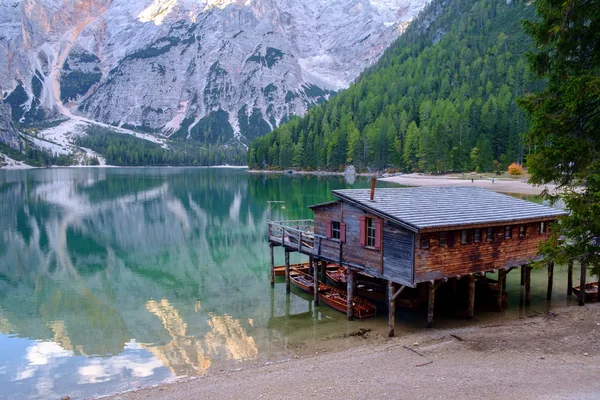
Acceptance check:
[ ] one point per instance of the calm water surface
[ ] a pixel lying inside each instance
(115, 278)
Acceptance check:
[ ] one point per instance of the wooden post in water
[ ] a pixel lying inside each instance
(471, 310)
(570, 278)
(527, 285)
(550, 279)
(272, 265)
(582, 283)
(501, 279)
(391, 308)
(324, 271)
(523, 274)
(350, 292)
(431, 304)
(316, 281)
(287, 271)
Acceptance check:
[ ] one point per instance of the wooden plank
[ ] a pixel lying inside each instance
(391, 296)
(570, 278)
(287, 271)
(350, 292)
(471, 309)
(400, 290)
(272, 265)
(582, 277)
(550, 280)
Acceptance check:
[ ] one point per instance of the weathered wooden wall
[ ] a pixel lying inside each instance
(352, 249)
(329, 248)
(438, 262)
(398, 245)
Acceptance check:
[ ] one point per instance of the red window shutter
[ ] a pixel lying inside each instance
(363, 230)
(378, 234)
(328, 229)
(342, 232)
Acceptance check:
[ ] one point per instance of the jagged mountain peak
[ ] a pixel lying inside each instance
(212, 70)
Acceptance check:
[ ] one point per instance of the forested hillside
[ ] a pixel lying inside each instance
(442, 98)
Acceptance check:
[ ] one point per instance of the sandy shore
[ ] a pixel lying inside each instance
(497, 185)
(551, 356)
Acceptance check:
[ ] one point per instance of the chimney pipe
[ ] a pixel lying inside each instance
(373, 180)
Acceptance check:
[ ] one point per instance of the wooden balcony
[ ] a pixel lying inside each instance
(299, 235)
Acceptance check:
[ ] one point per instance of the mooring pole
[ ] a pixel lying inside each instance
(570, 278)
(287, 271)
(550, 279)
(582, 283)
(350, 291)
(272, 265)
(391, 308)
(431, 304)
(471, 310)
(527, 285)
(316, 281)
(501, 278)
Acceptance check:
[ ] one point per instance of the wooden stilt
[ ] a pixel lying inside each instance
(350, 291)
(570, 278)
(324, 271)
(527, 285)
(287, 271)
(550, 279)
(471, 310)
(504, 273)
(523, 274)
(272, 265)
(582, 283)
(316, 281)
(391, 308)
(432, 288)
(501, 278)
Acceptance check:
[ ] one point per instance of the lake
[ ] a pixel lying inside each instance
(114, 278)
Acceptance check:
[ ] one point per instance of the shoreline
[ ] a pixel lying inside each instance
(554, 355)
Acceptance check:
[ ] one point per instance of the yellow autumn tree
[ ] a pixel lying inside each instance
(515, 170)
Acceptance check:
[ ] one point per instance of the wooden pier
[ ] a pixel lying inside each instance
(420, 238)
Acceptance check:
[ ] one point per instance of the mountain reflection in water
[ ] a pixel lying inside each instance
(111, 278)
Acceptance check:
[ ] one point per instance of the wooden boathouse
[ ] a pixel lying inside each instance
(420, 236)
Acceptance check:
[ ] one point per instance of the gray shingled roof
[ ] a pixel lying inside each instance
(432, 207)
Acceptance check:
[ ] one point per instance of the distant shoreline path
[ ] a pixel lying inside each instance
(497, 185)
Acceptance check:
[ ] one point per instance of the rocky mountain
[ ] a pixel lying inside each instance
(215, 71)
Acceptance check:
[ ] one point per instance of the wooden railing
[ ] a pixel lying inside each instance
(300, 236)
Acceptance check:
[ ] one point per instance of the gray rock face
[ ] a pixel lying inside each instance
(217, 71)
(8, 133)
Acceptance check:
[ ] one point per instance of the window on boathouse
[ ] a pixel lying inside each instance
(507, 232)
(424, 241)
(490, 234)
(443, 239)
(335, 230)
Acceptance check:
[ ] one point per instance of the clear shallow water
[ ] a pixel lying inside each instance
(116, 278)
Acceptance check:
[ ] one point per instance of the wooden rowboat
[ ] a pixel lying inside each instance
(338, 300)
(369, 287)
(302, 267)
(304, 281)
(591, 291)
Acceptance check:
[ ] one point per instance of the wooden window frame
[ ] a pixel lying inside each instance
(424, 241)
(336, 229)
(443, 239)
(507, 232)
(464, 236)
(371, 232)
(476, 236)
(522, 231)
(543, 228)
(488, 237)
